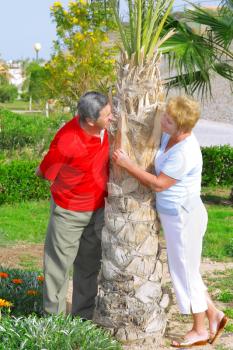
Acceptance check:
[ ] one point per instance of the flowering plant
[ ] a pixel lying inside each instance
(4, 304)
(21, 291)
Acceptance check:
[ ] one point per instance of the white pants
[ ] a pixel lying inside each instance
(184, 233)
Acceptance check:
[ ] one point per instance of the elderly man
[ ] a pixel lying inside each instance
(77, 165)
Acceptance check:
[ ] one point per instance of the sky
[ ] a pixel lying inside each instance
(26, 22)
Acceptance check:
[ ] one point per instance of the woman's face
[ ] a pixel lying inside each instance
(168, 124)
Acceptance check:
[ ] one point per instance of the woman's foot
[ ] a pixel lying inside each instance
(217, 326)
(214, 321)
(192, 338)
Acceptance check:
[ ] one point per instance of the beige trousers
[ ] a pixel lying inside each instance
(184, 234)
(73, 239)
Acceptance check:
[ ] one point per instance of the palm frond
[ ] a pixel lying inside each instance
(139, 28)
(190, 58)
(121, 28)
(193, 57)
(224, 69)
(146, 21)
(225, 6)
(132, 24)
(220, 25)
(190, 83)
(152, 24)
(160, 28)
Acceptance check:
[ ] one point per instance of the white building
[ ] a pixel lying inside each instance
(16, 74)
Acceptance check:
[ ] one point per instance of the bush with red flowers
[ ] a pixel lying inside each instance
(22, 289)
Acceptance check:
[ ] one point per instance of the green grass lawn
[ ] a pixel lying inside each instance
(218, 240)
(220, 284)
(18, 105)
(27, 221)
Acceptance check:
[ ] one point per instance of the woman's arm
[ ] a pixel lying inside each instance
(156, 183)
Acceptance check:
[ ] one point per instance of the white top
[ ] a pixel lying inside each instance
(182, 162)
(102, 135)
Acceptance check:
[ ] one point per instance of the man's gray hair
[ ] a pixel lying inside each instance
(90, 105)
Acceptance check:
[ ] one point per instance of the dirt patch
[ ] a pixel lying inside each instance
(22, 256)
(178, 325)
(31, 256)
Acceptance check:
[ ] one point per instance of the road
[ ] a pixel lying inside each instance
(210, 133)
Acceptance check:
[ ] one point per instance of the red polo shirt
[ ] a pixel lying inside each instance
(78, 165)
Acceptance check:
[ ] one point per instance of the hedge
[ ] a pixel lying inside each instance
(18, 182)
(217, 165)
(8, 92)
(18, 131)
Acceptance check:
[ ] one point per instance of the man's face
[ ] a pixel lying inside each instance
(105, 117)
(168, 124)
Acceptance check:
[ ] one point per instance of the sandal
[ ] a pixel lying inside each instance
(190, 343)
(220, 329)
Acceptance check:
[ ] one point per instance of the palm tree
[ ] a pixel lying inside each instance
(131, 300)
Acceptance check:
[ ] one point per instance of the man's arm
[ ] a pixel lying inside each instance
(38, 173)
(56, 156)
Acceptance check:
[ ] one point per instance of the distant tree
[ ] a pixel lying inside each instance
(4, 73)
(35, 84)
(8, 92)
(82, 58)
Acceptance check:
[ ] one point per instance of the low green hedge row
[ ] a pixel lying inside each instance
(18, 131)
(18, 181)
(217, 165)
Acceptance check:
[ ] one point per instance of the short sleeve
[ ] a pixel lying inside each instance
(176, 164)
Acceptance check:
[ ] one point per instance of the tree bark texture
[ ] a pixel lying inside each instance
(131, 301)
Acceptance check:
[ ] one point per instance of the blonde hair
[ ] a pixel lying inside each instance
(184, 111)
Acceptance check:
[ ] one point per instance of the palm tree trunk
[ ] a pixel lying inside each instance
(131, 301)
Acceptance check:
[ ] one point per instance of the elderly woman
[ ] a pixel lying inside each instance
(177, 183)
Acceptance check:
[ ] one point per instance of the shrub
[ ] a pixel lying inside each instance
(18, 131)
(19, 183)
(23, 289)
(27, 137)
(8, 93)
(25, 96)
(217, 165)
(52, 333)
(226, 296)
(229, 247)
